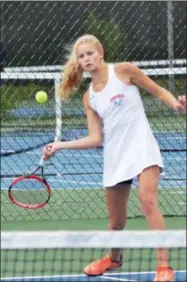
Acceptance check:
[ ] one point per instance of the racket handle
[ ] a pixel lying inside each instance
(41, 163)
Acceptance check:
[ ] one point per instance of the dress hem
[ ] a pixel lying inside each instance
(131, 177)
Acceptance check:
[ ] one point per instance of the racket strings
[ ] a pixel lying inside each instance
(30, 191)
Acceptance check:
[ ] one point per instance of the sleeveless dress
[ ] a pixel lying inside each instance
(129, 144)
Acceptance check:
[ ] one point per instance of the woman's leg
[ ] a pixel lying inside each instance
(148, 190)
(116, 200)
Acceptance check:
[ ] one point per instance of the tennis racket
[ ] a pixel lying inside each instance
(30, 191)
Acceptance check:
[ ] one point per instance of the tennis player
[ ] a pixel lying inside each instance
(130, 148)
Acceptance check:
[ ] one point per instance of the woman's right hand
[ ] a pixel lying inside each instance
(51, 149)
(47, 154)
(48, 151)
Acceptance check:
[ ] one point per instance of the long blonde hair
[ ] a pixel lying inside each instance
(73, 73)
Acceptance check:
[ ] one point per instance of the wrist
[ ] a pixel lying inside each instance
(59, 146)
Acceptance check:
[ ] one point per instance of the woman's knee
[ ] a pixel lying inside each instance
(148, 187)
(148, 203)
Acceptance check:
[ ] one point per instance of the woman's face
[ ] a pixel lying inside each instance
(89, 57)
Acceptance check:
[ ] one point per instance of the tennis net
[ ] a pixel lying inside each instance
(62, 255)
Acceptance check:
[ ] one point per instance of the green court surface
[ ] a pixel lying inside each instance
(86, 210)
(88, 203)
(87, 224)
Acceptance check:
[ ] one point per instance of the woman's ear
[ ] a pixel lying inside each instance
(101, 52)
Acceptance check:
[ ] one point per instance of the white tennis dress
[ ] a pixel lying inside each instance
(129, 144)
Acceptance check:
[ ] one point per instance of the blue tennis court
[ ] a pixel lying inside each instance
(133, 276)
(83, 169)
(67, 167)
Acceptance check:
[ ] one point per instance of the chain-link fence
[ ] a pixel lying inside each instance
(34, 40)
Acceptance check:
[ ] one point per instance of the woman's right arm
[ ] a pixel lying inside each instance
(93, 139)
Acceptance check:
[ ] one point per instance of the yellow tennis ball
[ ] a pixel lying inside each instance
(41, 97)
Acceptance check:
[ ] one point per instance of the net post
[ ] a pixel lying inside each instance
(58, 107)
(171, 83)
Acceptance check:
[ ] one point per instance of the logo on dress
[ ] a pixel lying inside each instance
(117, 100)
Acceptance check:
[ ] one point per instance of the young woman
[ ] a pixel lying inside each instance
(130, 148)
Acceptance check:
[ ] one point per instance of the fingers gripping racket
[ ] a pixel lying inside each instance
(30, 191)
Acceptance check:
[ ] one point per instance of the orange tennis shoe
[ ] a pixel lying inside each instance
(164, 274)
(100, 266)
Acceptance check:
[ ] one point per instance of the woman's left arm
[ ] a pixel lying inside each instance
(137, 77)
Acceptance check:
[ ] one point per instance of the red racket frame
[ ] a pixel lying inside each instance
(29, 206)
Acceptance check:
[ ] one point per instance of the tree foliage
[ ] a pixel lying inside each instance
(110, 35)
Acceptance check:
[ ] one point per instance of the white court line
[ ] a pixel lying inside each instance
(95, 156)
(69, 155)
(181, 203)
(175, 159)
(82, 155)
(177, 192)
(118, 279)
(75, 182)
(43, 277)
(176, 137)
(101, 187)
(138, 272)
(66, 189)
(65, 181)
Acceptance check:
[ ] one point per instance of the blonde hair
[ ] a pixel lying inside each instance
(73, 73)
